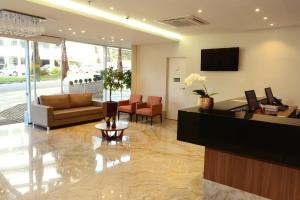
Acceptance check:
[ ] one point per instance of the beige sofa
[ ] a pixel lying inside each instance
(59, 110)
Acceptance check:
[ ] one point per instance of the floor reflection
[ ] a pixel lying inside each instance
(31, 166)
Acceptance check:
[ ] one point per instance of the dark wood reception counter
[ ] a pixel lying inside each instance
(252, 152)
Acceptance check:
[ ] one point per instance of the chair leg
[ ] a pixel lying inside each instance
(151, 121)
(131, 117)
(118, 115)
(142, 117)
(161, 118)
(136, 118)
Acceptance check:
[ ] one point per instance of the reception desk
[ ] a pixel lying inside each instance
(255, 153)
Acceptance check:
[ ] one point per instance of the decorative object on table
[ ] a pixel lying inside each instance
(76, 81)
(85, 80)
(113, 125)
(90, 80)
(205, 101)
(151, 108)
(70, 82)
(80, 81)
(110, 133)
(107, 120)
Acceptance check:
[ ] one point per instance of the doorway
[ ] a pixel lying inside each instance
(175, 86)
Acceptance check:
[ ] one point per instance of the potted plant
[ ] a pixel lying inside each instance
(109, 77)
(80, 81)
(76, 81)
(205, 101)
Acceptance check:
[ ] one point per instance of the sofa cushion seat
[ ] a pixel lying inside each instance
(76, 112)
(126, 108)
(144, 111)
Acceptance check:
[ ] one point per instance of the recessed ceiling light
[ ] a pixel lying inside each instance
(103, 38)
(60, 30)
(199, 11)
(257, 9)
(144, 19)
(69, 29)
(89, 11)
(265, 18)
(112, 40)
(74, 33)
(112, 37)
(111, 8)
(271, 24)
(83, 31)
(122, 39)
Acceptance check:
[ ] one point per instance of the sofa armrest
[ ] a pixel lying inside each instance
(156, 109)
(141, 105)
(124, 102)
(42, 115)
(98, 103)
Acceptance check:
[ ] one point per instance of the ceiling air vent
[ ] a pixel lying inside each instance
(185, 21)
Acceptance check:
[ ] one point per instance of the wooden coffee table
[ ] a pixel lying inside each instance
(112, 133)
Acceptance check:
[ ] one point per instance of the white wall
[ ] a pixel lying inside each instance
(267, 58)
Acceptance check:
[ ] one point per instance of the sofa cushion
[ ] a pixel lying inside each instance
(58, 102)
(126, 108)
(81, 100)
(76, 112)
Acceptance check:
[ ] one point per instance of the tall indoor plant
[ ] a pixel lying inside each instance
(205, 101)
(109, 77)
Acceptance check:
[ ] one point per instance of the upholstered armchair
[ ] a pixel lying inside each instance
(151, 108)
(129, 106)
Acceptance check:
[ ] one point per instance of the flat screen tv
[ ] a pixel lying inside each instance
(223, 59)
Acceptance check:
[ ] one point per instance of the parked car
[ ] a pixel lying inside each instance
(13, 71)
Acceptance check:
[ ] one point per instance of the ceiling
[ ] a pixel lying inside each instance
(223, 16)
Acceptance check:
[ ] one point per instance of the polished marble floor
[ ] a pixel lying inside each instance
(75, 163)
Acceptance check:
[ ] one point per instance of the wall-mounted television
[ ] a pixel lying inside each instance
(222, 59)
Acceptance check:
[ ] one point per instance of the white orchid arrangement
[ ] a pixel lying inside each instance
(197, 77)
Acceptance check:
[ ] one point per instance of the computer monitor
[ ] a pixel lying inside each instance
(269, 94)
(252, 100)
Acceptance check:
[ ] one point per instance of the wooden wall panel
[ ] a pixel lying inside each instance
(258, 177)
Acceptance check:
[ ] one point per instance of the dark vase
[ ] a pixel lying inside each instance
(205, 103)
(111, 108)
(114, 123)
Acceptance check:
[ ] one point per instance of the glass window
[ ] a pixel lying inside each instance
(112, 57)
(14, 42)
(13, 61)
(22, 43)
(2, 62)
(22, 59)
(84, 63)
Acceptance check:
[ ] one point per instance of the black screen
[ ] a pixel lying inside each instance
(224, 59)
(269, 95)
(252, 100)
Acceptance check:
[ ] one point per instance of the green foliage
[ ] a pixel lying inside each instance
(127, 79)
(12, 79)
(56, 71)
(110, 80)
(44, 72)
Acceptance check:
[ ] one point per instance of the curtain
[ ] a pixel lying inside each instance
(120, 65)
(64, 60)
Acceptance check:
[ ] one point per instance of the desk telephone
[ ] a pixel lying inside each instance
(281, 106)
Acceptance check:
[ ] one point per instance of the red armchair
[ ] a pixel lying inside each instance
(151, 108)
(129, 106)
